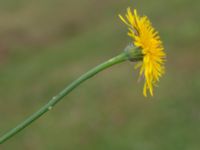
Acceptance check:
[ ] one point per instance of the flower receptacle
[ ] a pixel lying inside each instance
(133, 53)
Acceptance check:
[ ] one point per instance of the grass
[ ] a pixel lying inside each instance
(47, 44)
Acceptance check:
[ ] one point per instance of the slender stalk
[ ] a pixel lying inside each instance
(115, 60)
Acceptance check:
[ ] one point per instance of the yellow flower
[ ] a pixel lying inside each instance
(147, 39)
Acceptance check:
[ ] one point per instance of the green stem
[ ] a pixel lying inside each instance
(115, 60)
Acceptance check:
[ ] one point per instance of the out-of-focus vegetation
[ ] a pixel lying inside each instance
(46, 44)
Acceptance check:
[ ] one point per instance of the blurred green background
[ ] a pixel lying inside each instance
(46, 44)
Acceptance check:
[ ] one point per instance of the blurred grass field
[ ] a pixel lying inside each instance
(46, 44)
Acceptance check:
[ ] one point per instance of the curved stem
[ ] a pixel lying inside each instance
(115, 60)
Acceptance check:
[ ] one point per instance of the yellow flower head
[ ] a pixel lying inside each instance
(147, 39)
